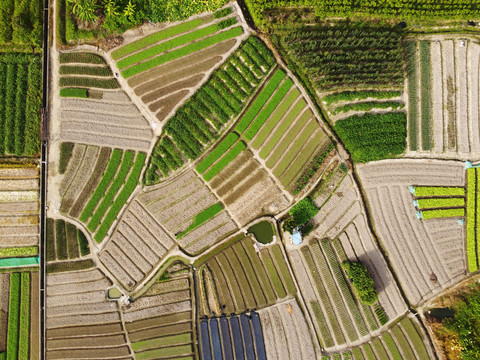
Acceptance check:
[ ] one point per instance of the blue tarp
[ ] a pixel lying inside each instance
(18, 262)
(206, 350)
(226, 342)
(296, 237)
(258, 335)
(237, 337)
(215, 336)
(247, 337)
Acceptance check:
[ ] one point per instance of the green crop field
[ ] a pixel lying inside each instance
(442, 213)
(65, 241)
(225, 160)
(440, 202)
(439, 191)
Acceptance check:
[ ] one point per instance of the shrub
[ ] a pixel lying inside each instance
(362, 282)
(74, 92)
(66, 149)
(303, 211)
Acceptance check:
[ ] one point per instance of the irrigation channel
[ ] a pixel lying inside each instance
(43, 176)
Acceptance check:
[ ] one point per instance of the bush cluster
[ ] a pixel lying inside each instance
(21, 22)
(362, 282)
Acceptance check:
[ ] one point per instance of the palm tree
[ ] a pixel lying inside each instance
(85, 9)
(110, 8)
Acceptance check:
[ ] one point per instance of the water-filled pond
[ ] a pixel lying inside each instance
(263, 232)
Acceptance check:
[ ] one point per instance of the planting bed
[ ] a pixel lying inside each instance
(104, 118)
(19, 210)
(444, 119)
(430, 255)
(199, 121)
(81, 323)
(165, 67)
(186, 208)
(19, 315)
(20, 104)
(237, 278)
(246, 188)
(160, 323)
(136, 246)
(286, 332)
(405, 340)
(236, 335)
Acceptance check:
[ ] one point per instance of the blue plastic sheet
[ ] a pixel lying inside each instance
(18, 262)
(215, 336)
(247, 337)
(226, 341)
(258, 335)
(237, 338)
(206, 350)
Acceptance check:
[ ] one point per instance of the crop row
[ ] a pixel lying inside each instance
(20, 102)
(472, 237)
(373, 136)
(440, 202)
(85, 70)
(81, 57)
(368, 105)
(202, 117)
(74, 92)
(219, 150)
(173, 43)
(88, 82)
(439, 191)
(225, 160)
(411, 55)
(202, 217)
(179, 52)
(443, 213)
(23, 251)
(351, 96)
(65, 241)
(426, 95)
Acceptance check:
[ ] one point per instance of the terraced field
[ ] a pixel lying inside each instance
(81, 323)
(236, 278)
(19, 211)
(137, 245)
(19, 315)
(200, 120)
(160, 322)
(93, 112)
(443, 96)
(240, 335)
(286, 332)
(431, 255)
(187, 209)
(165, 67)
(405, 340)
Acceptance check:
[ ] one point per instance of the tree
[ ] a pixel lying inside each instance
(85, 9)
(362, 282)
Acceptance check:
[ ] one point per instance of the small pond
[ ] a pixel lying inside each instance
(114, 293)
(263, 232)
(441, 313)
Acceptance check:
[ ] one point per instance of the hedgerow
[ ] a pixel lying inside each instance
(21, 22)
(88, 82)
(74, 92)
(122, 197)
(373, 136)
(202, 217)
(362, 282)
(102, 186)
(359, 95)
(225, 160)
(183, 51)
(85, 70)
(367, 106)
(200, 119)
(80, 57)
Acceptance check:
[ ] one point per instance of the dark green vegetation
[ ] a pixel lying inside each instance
(303, 211)
(65, 155)
(200, 120)
(359, 95)
(21, 24)
(20, 104)
(65, 241)
(373, 136)
(362, 282)
(74, 92)
(343, 54)
(263, 232)
(426, 94)
(411, 55)
(368, 105)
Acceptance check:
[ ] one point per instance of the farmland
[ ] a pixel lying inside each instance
(19, 316)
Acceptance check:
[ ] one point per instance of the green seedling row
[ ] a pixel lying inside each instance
(439, 191)
(225, 160)
(440, 202)
(217, 152)
(443, 213)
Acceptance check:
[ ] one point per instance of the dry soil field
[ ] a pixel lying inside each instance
(427, 255)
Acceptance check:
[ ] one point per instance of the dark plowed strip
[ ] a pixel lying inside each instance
(34, 317)
(171, 88)
(167, 104)
(257, 177)
(251, 167)
(84, 330)
(89, 353)
(181, 64)
(86, 341)
(229, 170)
(160, 331)
(155, 321)
(92, 183)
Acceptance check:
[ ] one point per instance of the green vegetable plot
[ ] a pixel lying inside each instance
(225, 160)
(202, 217)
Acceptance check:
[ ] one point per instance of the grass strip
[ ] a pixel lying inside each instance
(403, 343)
(415, 338)
(72, 243)
(426, 95)
(24, 341)
(440, 202)
(158, 36)
(104, 183)
(272, 273)
(81, 57)
(217, 152)
(202, 217)
(13, 317)
(70, 266)
(439, 190)
(225, 160)
(442, 213)
(74, 92)
(122, 197)
(161, 342)
(183, 51)
(260, 100)
(411, 55)
(273, 103)
(392, 347)
(367, 349)
(167, 352)
(282, 266)
(18, 251)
